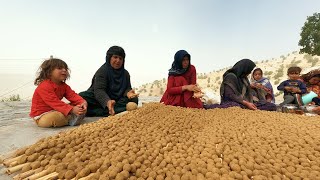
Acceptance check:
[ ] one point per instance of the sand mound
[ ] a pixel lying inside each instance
(165, 142)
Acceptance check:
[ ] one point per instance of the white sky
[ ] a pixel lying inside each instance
(216, 33)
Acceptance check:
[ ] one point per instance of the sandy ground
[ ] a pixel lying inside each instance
(18, 130)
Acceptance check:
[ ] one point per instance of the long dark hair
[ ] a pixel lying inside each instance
(44, 71)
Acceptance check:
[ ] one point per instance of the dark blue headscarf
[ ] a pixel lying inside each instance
(116, 77)
(176, 68)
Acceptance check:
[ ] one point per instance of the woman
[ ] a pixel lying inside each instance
(110, 90)
(182, 89)
(235, 89)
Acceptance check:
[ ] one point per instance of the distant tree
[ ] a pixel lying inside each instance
(314, 61)
(310, 35)
(161, 91)
(267, 73)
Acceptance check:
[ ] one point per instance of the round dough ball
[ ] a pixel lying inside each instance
(70, 174)
(131, 106)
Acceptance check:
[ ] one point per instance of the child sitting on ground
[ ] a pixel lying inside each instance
(292, 88)
(312, 80)
(262, 88)
(47, 109)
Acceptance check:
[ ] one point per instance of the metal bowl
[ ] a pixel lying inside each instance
(289, 108)
(308, 108)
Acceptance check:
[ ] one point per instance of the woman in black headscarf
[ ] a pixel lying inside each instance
(110, 90)
(182, 89)
(235, 89)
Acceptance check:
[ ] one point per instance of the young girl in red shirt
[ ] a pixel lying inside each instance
(47, 108)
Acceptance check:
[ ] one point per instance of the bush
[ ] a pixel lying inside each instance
(13, 97)
(277, 82)
(161, 91)
(267, 73)
(279, 73)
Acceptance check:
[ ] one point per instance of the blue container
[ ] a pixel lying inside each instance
(307, 98)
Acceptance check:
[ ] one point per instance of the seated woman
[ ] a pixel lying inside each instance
(312, 80)
(235, 89)
(110, 90)
(261, 86)
(182, 89)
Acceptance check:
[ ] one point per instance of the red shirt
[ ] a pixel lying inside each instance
(174, 95)
(48, 95)
(190, 76)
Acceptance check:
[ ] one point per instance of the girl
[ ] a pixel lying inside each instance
(312, 80)
(262, 88)
(47, 109)
(182, 89)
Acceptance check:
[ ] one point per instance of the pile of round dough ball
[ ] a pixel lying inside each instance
(166, 142)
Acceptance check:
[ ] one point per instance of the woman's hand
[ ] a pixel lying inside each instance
(131, 94)
(197, 95)
(110, 106)
(191, 87)
(249, 105)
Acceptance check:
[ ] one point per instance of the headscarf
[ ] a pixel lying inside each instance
(116, 77)
(241, 69)
(176, 68)
(309, 75)
(264, 81)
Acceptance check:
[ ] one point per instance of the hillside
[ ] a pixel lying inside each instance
(275, 69)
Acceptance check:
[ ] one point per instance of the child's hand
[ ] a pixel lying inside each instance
(260, 86)
(131, 94)
(76, 110)
(316, 110)
(83, 108)
(295, 90)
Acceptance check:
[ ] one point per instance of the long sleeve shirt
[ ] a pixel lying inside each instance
(190, 76)
(100, 83)
(292, 83)
(48, 95)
